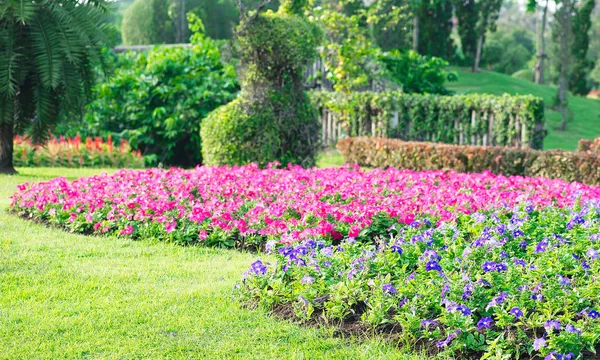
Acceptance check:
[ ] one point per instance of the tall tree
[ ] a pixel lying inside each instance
(488, 12)
(466, 14)
(538, 71)
(562, 34)
(582, 23)
(436, 29)
(47, 53)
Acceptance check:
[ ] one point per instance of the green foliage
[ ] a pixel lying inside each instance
(439, 118)
(467, 16)
(578, 81)
(158, 99)
(272, 119)
(417, 73)
(147, 22)
(47, 54)
(508, 51)
(435, 28)
(583, 167)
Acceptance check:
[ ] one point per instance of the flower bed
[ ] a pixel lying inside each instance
(73, 152)
(518, 284)
(465, 264)
(246, 206)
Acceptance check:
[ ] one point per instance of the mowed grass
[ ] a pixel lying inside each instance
(585, 123)
(84, 297)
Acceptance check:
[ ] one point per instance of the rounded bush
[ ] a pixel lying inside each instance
(272, 119)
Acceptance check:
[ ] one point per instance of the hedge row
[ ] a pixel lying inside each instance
(476, 119)
(589, 145)
(583, 167)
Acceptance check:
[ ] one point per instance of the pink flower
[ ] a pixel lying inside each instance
(127, 230)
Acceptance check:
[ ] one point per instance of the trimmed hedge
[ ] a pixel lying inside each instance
(476, 119)
(583, 167)
(589, 145)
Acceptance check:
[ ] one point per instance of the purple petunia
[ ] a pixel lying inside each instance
(593, 314)
(516, 312)
(389, 289)
(489, 266)
(484, 323)
(572, 329)
(433, 266)
(396, 248)
(258, 268)
(539, 343)
(427, 323)
(593, 254)
(541, 246)
(448, 339)
(307, 279)
(551, 325)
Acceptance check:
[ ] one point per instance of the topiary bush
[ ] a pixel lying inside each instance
(272, 119)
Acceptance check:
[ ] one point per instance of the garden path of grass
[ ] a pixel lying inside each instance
(82, 297)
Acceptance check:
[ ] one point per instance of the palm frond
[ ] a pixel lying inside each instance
(46, 55)
(8, 63)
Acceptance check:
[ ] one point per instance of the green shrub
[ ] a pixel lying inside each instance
(272, 119)
(515, 119)
(589, 145)
(377, 152)
(157, 100)
(418, 73)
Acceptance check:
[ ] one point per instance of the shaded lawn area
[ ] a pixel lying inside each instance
(585, 123)
(72, 296)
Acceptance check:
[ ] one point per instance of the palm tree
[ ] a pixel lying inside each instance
(48, 49)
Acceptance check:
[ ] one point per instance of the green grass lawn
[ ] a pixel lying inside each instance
(586, 112)
(81, 297)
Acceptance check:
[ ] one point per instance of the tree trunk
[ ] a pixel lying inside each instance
(6, 149)
(180, 22)
(415, 42)
(478, 54)
(541, 47)
(565, 24)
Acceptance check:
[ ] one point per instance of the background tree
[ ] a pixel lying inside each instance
(435, 29)
(47, 53)
(148, 22)
(487, 14)
(562, 34)
(582, 23)
(541, 55)
(467, 15)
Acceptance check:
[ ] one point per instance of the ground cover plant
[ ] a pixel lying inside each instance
(76, 153)
(512, 282)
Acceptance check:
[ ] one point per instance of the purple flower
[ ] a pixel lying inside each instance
(529, 208)
(433, 266)
(501, 229)
(516, 312)
(303, 300)
(427, 322)
(396, 248)
(484, 323)
(307, 279)
(402, 302)
(593, 253)
(563, 280)
(448, 339)
(523, 244)
(327, 251)
(518, 233)
(258, 268)
(572, 329)
(551, 325)
(593, 314)
(464, 310)
(556, 356)
(541, 246)
(537, 297)
(410, 277)
(539, 343)
(493, 266)
(520, 262)
(389, 289)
